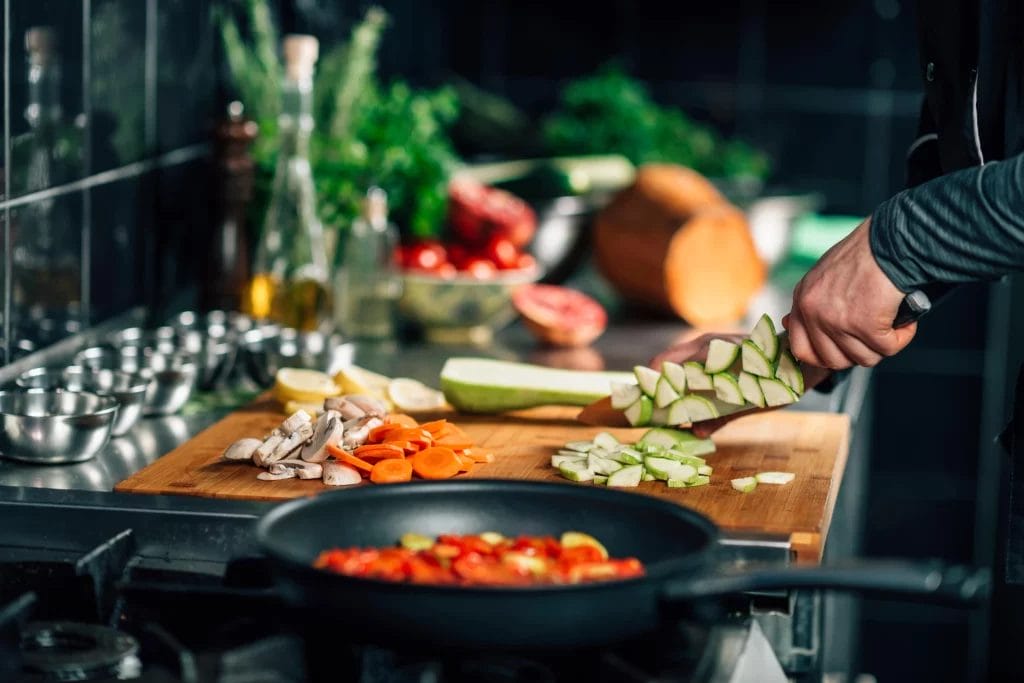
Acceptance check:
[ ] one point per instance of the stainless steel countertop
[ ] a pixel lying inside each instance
(624, 345)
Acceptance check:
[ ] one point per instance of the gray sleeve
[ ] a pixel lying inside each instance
(961, 227)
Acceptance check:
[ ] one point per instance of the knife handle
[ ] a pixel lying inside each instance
(912, 308)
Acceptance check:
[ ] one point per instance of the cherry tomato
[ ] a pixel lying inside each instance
(446, 270)
(503, 253)
(480, 268)
(425, 256)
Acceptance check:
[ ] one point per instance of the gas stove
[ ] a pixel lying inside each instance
(91, 594)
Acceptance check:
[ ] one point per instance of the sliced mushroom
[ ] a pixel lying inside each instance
(291, 444)
(338, 474)
(370, 405)
(372, 423)
(243, 449)
(303, 469)
(327, 431)
(347, 409)
(355, 437)
(266, 449)
(270, 476)
(294, 421)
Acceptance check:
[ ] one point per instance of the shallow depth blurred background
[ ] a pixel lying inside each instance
(828, 92)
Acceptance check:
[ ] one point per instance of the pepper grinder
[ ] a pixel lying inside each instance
(226, 269)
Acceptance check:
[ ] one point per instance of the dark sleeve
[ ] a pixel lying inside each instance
(961, 227)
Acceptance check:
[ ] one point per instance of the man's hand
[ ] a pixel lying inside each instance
(843, 309)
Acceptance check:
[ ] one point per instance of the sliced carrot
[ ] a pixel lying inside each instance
(436, 463)
(406, 446)
(377, 451)
(404, 420)
(435, 426)
(415, 436)
(478, 454)
(455, 442)
(379, 434)
(391, 471)
(467, 462)
(349, 459)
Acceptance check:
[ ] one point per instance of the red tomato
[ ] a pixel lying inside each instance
(480, 268)
(526, 262)
(446, 270)
(581, 553)
(425, 256)
(475, 570)
(503, 253)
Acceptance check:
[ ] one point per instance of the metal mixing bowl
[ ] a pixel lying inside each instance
(267, 348)
(54, 426)
(174, 378)
(127, 358)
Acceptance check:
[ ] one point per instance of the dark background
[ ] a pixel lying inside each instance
(829, 89)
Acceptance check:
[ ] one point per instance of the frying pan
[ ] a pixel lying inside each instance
(676, 545)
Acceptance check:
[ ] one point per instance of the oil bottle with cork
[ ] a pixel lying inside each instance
(290, 279)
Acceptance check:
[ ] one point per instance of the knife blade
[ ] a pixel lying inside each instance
(914, 306)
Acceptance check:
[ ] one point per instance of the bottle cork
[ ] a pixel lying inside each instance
(300, 55)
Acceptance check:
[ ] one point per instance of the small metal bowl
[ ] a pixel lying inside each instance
(126, 358)
(41, 378)
(127, 387)
(267, 349)
(162, 338)
(174, 378)
(54, 426)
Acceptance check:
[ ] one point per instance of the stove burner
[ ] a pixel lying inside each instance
(70, 651)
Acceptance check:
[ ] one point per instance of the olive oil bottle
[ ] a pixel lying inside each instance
(290, 281)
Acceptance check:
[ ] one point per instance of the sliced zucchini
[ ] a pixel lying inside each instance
(581, 446)
(664, 395)
(751, 390)
(679, 456)
(628, 456)
(778, 478)
(721, 355)
(699, 408)
(624, 395)
(659, 417)
(765, 337)
(647, 378)
(663, 437)
(602, 465)
(559, 460)
(648, 476)
(695, 448)
(744, 484)
(600, 479)
(755, 362)
(696, 378)
(665, 469)
(675, 374)
(788, 372)
(576, 471)
(697, 480)
(727, 389)
(639, 414)
(705, 470)
(627, 476)
(677, 414)
(606, 441)
(776, 393)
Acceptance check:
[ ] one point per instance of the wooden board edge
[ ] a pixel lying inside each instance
(838, 470)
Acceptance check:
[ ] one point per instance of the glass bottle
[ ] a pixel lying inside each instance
(290, 282)
(366, 280)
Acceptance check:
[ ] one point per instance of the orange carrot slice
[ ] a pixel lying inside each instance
(382, 450)
(414, 436)
(435, 426)
(391, 471)
(467, 462)
(436, 463)
(378, 434)
(400, 419)
(478, 454)
(349, 459)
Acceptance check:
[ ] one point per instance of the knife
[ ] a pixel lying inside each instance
(914, 306)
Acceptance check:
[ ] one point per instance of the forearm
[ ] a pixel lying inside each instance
(961, 227)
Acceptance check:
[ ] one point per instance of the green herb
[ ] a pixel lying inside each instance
(610, 112)
(366, 133)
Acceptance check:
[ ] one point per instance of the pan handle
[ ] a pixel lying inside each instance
(935, 583)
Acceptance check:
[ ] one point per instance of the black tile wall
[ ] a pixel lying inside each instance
(102, 95)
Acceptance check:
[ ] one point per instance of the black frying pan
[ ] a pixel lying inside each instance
(676, 545)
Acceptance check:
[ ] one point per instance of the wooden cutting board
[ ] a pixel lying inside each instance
(813, 445)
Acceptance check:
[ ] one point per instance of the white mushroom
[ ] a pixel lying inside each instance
(338, 474)
(270, 476)
(328, 431)
(243, 449)
(294, 421)
(291, 444)
(266, 449)
(370, 405)
(302, 469)
(347, 409)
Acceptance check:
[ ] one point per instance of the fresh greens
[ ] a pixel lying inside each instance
(610, 112)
